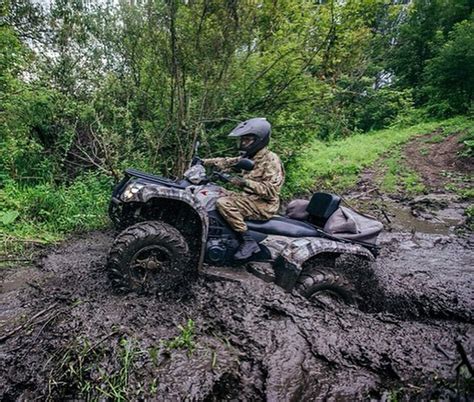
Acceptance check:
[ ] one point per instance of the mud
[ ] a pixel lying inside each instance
(438, 159)
(251, 339)
(65, 334)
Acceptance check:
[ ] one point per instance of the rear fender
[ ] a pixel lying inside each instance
(291, 253)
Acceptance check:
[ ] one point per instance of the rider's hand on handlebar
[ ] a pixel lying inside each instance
(237, 181)
(196, 161)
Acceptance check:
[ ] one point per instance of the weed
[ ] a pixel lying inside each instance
(154, 354)
(117, 384)
(412, 183)
(424, 151)
(390, 179)
(435, 139)
(469, 212)
(78, 372)
(465, 193)
(185, 339)
(468, 148)
(214, 359)
(154, 387)
(399, 177)
(394, 395)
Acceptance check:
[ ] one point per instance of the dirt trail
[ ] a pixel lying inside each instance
(64, 332)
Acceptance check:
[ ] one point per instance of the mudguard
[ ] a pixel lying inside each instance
(291, 253)
(156, 191)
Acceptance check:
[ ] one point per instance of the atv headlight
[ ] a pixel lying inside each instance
(131, 190)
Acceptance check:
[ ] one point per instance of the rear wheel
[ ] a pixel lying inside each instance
(148, 257)
(322, 282)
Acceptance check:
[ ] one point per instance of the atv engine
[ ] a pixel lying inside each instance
(216, 250)
(221, 250)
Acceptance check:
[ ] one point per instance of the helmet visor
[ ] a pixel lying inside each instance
(246, 141)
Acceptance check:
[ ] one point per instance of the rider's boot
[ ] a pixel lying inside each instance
(248, 247)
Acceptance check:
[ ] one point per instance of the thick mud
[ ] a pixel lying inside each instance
(65, 334)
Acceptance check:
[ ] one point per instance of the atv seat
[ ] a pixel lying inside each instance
(321, 207)
(316, 211)
(282, 226)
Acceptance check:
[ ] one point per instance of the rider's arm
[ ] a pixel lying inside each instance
(221, 163)
(267, 190)
(268, 180)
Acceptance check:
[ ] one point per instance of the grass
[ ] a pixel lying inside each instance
(470, 216)
(45, 213)
(99, 370)
(398, 177)
(335, 166)
(80, 371)
(184, 340)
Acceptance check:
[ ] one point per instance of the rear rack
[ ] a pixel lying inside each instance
(373, 248)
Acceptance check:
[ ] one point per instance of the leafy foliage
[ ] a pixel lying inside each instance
(89, 88)
(433, 55)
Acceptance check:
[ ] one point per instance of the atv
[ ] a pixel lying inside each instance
(171, 232)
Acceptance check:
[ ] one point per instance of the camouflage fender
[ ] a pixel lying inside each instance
(155, 191)
(291, 253)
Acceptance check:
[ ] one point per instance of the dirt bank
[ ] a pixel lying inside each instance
(66, 334)
(437, 158)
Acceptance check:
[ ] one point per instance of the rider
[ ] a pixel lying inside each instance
(261, 186)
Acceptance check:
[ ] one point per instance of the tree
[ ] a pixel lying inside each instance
(449, 75)
(424, 29)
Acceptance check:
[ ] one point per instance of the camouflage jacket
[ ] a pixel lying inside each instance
(264, 181)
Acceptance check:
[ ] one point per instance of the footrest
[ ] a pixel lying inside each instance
(229, 274)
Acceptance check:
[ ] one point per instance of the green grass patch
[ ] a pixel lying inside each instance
(467, 140)
(398, 177)
(79, 369)
(335, 166)
(435, 139)
(45, 213)
(185, 339)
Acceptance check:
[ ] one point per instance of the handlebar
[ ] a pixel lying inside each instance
(225, 177)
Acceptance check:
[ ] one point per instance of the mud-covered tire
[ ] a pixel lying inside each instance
(149, 257)
(323, 281)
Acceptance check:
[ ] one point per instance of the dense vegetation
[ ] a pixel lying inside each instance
(88, 88)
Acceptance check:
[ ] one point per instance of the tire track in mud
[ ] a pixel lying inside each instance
(252, 340)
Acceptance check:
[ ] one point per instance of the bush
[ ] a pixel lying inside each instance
(47, 210)
(378, 108)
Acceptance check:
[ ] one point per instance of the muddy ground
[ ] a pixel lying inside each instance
(66, 334)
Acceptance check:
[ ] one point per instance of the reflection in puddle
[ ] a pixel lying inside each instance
(401, 218)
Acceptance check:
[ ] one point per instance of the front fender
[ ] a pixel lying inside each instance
(152, 192)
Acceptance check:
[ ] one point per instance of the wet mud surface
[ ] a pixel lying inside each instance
(251, 339)
(64, 333)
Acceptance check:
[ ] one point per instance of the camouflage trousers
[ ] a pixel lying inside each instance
(235, 208)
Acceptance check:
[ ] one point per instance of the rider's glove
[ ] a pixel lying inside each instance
(196, 161)
(237, 181)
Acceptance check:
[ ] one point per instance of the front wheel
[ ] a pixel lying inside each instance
(322, 282)
(149, 257)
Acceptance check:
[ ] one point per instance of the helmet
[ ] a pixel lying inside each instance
(259, 128)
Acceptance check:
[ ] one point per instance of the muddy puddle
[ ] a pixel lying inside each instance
(65, 334)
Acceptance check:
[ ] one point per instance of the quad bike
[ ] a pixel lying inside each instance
(171, 232)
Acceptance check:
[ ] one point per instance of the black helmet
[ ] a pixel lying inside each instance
(259, 128)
